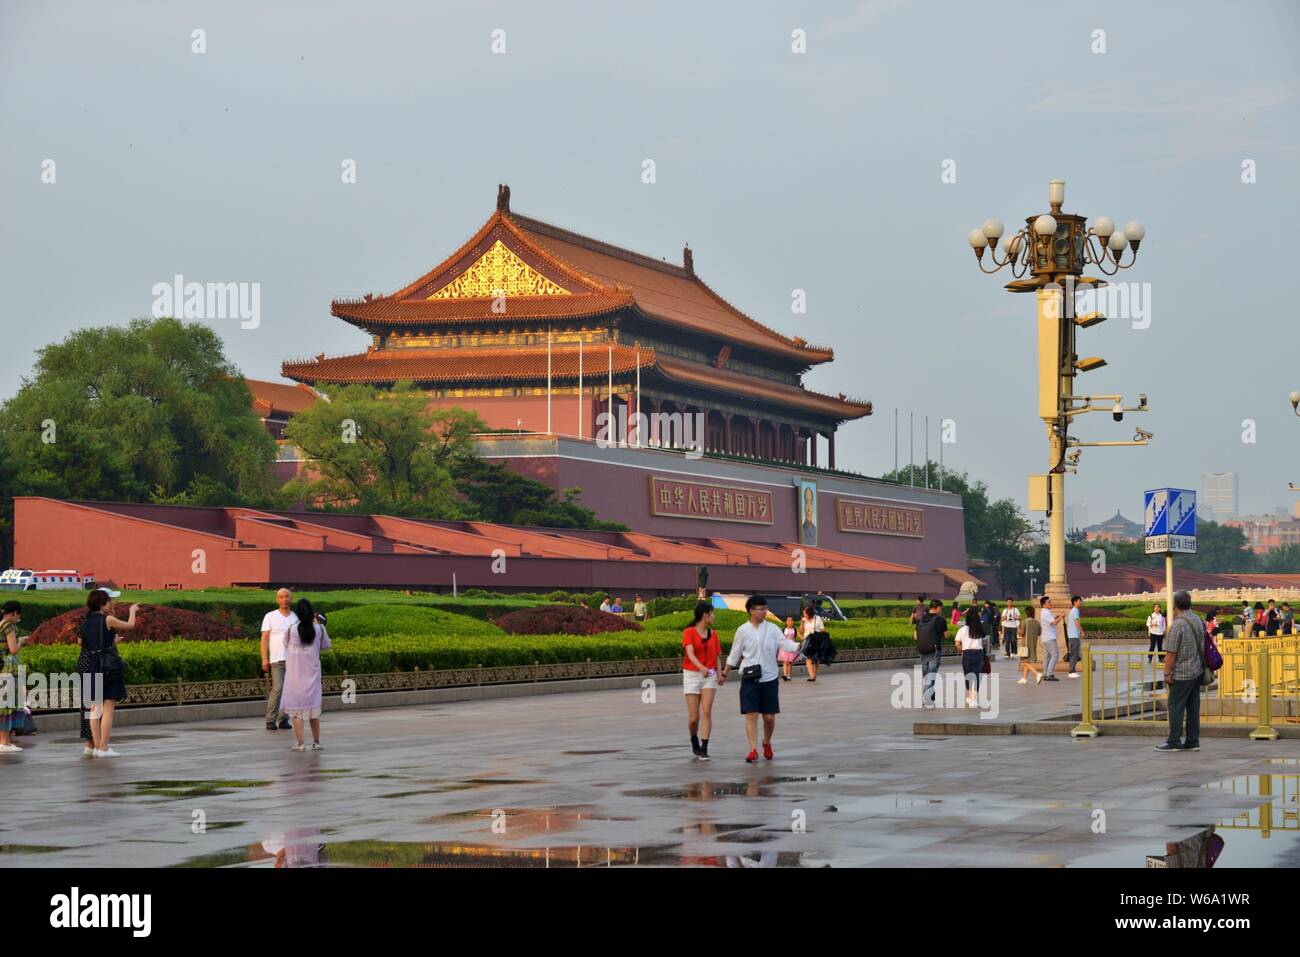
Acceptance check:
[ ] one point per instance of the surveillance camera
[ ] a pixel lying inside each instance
(1142, 400)
(1143, 434)
(1118, 412)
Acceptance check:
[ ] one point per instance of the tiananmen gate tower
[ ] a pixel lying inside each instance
(474, 330)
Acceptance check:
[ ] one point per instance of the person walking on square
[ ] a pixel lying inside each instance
(1027, 647)
(1246, 619)
(1051, 647)
(754, 650)
(1010, 628)
(814, 637)
(1261, 617)
(788, 658)
(13, 697)
(1184, 666)
(970, 642)
(639, 609)
(276, 626)
(918, 610)
(1074, 633)
(301, 698)
(1288, 618)
(955, 616)
(929, 635)
(1155, 631)
(701, 648)
(105, 676)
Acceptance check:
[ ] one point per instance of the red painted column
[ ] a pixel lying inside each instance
(726, 433)
(812, 444)
(756, 451)
(831, 440)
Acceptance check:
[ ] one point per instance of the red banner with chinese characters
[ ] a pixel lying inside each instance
(876, 518)
(685, 498)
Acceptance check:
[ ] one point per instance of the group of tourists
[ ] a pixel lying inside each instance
(1025, 635)
(1267, 621)
(763, 652)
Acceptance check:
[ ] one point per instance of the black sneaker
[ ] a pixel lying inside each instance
(1191, 747)
(1169, 747)
(284, 724)
(695, 748)
(1051, 678)
(270, 726)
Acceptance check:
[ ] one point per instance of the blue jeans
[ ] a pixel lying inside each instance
(929, 674)
(1185, 700)
(1009, 641)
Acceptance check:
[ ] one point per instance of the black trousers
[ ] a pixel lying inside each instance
(1185, 703)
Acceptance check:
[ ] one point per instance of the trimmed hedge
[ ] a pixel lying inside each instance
(365, 620)
(151, 662)
(248, 606)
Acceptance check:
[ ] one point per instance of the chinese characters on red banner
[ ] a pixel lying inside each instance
(875, 519)
(683, 498)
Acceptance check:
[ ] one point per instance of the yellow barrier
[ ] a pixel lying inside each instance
(1269, 815)
(1257, 687)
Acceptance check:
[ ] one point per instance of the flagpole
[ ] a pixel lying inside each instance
(548, 381)
(579, 385)
(609, 401)
(638, 397)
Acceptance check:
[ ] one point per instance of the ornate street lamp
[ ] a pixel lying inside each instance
(1295, 407)
(1031, 571)
(1048, 257)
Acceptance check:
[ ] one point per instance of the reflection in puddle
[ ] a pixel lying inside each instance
(187, 789)
(300, 849)
(1266, 834)
(707, 791)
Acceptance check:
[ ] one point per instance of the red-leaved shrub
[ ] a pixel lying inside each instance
(562, 620)
(152, 623)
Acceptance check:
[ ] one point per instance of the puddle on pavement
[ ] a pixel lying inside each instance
(186, 789)
(529, 820)
(605, 751)
(707, 791)
(434, 854)
(32, 849)
(443, 787)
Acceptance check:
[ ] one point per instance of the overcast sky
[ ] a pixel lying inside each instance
(819, 171)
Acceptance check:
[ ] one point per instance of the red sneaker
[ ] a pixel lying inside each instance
(751, 757)
(767, 750)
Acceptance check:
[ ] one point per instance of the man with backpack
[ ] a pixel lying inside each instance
(929, 646)
(1185, 668)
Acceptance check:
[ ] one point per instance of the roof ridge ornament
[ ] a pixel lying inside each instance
(503, 198)
(688, 259)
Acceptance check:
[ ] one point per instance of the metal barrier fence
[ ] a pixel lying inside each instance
(247, 689)
(1258, 688)
(1268, 815)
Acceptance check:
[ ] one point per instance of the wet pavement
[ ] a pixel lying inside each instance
(607, 779)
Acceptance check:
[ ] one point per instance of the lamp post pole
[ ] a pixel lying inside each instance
(1054, 248)
(1031, 571)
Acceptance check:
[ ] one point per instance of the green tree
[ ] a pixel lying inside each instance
(1285, 560)
(1219, 548)
(500, 495)
(151, 410)
(382, 450)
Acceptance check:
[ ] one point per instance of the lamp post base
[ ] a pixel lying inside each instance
(1059, 592)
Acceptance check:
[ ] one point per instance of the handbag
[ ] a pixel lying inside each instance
(109, 662)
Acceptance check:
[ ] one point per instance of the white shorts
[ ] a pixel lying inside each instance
(694, 681)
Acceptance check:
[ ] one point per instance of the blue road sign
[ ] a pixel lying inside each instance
(1170, 520)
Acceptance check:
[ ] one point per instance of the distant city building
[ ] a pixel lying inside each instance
(1076, 516)
(1117, 528)
(1218, 497)
(1267, 532)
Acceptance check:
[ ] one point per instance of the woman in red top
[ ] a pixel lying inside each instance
(700, 676)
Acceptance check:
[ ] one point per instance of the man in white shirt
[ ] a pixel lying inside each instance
(755, 646)
(1010, 625)
(1051, 649)
(275, 634)
(605, 605)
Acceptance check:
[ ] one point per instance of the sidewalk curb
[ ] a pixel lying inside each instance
(1154, 729)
